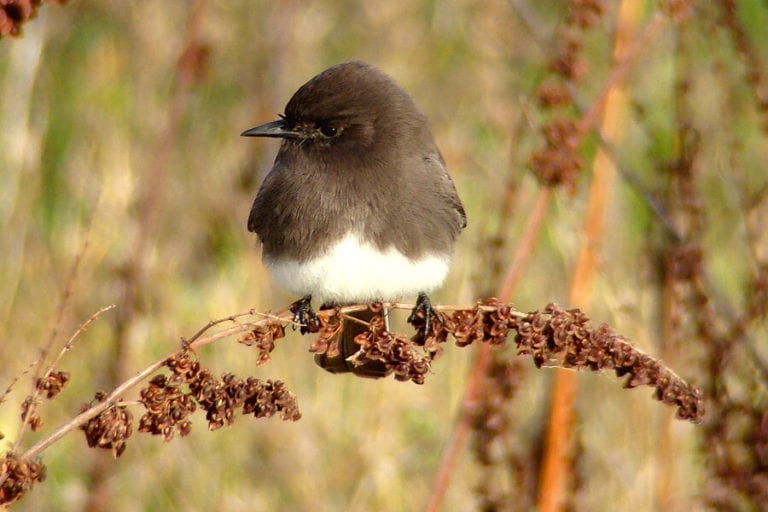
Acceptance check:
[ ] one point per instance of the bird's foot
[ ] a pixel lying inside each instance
(304, 315)
(421, 316)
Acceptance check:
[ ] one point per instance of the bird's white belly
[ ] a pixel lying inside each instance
(356, 271)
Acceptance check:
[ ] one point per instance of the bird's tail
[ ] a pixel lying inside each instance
(348, 347)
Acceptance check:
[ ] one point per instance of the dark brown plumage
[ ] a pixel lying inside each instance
(358, 205)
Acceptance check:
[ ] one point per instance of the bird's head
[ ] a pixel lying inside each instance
(350, 107)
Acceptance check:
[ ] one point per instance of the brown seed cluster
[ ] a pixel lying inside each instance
(553, 95)
(167, 409)
(327, 340)
(13, 14)
(559, 162)
(221, 397)
(49, 385)
(739, 442)
(585, 13)
(481, 324)
(490, 418)
(568, 63)
(170, 400)
(263, 338)
(53, 383)
(508, 468)
(678, 10)
(394, 350)
(19, 477)
(566, 337)
(554, 335)
(29, 414)
(109, 430)
(410, 359)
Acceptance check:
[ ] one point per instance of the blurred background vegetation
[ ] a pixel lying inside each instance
(124, 181)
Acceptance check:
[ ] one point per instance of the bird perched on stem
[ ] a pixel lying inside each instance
(358, 206)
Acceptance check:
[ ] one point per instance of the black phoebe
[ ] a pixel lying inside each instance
(358, 206)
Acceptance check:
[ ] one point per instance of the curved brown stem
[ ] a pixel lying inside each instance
(194, 342)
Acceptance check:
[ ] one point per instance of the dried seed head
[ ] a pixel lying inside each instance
(678, 10)
(468, 326)
(264, 399)
(263, 337)
(110, 429)
(566, 337)
(29, 414)
(553, 95)
(20, 475)
(184, 368)
(167, 408)
(585, 13)
(568, 63)
(559, 162)
(397, 353)
(13, 13)
(327, 340)
(53, 383)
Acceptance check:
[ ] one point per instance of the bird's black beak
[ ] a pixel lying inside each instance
(273, 129)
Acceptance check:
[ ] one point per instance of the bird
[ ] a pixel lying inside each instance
(358, 206)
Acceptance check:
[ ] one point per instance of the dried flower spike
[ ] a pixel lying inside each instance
(567, 338)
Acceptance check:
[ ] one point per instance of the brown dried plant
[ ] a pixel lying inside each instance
(551, 337)
(734, 438)
(14, 13)
(19, 474)
(559, 162)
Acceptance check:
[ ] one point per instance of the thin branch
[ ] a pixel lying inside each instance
(196, 341)
(70, 342)
(61, 308)
(552, 336)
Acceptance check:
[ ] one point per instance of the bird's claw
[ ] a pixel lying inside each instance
(423, 306)
(304, 315)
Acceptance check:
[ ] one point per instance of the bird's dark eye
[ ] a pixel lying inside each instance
(328, 130)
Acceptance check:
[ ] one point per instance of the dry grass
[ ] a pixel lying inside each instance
(124, 182)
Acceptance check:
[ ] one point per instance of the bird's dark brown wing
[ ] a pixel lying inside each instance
(447, 187)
